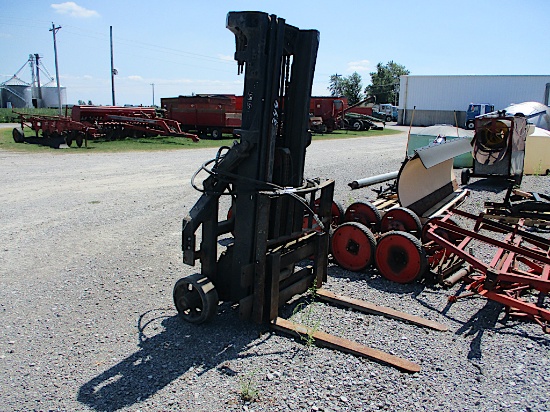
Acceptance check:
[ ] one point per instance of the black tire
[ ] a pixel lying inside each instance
(388, 118)
(79, 140)
(465, 176)
(400, 257)
(352, 246)
(18, 135)
(357, 125)
(216, 134)
(195, 298)
(470, 125)
(401, 219)
(365, 213)
(69, 140)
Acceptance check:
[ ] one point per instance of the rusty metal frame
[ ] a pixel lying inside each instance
(502, 280)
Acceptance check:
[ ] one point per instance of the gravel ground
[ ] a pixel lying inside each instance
(90, 251)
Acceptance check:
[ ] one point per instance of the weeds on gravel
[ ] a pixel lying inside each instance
(304, 314)
(249, 386)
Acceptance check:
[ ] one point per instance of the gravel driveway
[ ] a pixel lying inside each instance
(90, 251)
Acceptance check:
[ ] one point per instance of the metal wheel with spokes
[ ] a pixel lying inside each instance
(196, 298)
(400, 257)
(353, 246)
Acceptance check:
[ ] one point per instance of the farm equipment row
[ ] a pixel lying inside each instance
(99, 122)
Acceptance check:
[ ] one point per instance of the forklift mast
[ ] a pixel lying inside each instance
(277, 218)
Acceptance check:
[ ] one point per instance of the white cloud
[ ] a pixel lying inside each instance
(73, 10)
(228, 58)
(359, 66)
(135, 78)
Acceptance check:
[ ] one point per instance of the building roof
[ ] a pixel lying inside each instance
(15, 81)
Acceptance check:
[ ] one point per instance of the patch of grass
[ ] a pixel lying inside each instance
(8, 115)
(347, 134)
(304, 314)
(249, 387)
(156, 143)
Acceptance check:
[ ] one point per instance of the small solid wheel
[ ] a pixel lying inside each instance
(353, 246)
(69, 140)
(464, 176)
(196, 298)
(79, 140)
(400, 257)
(336, 211)
(215, 133)
(18, 135)
(365, 213)
(402, 219)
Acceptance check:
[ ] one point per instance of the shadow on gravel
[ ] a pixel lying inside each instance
(178, 350)
(489, 185)
(483, 319)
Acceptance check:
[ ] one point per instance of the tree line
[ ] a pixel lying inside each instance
(384, 87)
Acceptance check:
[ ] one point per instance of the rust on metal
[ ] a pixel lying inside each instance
(344, 345)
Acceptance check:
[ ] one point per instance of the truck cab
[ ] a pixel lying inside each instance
(477, 109)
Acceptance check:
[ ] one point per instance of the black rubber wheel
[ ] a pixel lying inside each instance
(18, 135)
(196, 298)
(470, 124)
(388, 118)
(401, 219)
(400, 257)
(69, 140)
(215, 134)
(357, 125)
(336, 210)
(79, 140)
(365, 213)
(464, 176)
(353, 246)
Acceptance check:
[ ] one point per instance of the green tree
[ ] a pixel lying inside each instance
(384, 85)
(349, 87)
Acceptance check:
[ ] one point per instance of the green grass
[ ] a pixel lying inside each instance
(8, 115)
(158, 142)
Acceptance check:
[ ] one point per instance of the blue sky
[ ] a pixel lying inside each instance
(183, 47)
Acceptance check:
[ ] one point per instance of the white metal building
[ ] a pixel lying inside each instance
(438, 99)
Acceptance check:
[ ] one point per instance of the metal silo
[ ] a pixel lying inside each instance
(16, 93)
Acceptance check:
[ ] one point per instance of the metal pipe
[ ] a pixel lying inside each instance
(368, 181)
(457, 276)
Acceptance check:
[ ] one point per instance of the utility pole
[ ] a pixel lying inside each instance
(37, 58)
(153, 85)
(54, 30)
(113, 70)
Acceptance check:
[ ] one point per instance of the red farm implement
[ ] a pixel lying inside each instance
(96, 122)
(517, 275)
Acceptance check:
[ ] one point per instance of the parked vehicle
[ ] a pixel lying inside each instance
(477, 109)
(206, 114)
(385, 111)
(329, 110)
